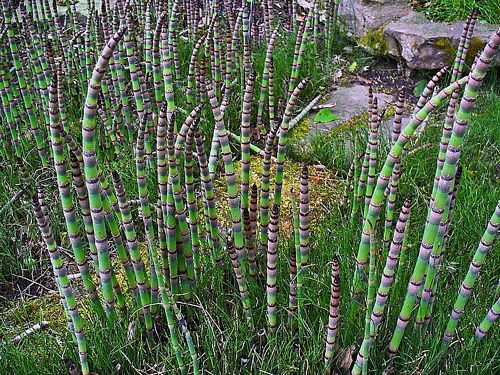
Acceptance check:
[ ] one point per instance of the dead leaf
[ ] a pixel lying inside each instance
(347, 358)
(364, 80)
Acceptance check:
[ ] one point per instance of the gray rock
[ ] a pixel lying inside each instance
(364, 20)
(423, 44)
(349, 101)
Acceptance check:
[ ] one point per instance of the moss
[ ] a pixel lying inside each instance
(349, 126)
(390, 111)
(344, 81)
(15, 319)
(300, 130)
(374, 40)
(443, 44)
(325, 188)
(476, 45)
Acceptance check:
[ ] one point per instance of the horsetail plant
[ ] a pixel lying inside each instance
(471, 277)
(63, 283)
(137, 111)
(91, 172)
(391, 160)
(488, 321)
(443, 146)
(361, 363)
(445, 182)
(333, 313)
(271, 279)
(304, 219)
(436, 256)
(232, 191)
(384, 288)
(63, 182)
(296, 284)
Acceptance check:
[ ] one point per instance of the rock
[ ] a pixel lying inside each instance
(391, 28)
(364, 20)
(423, 44)
(349, 101)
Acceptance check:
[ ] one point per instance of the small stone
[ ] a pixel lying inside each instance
(348, 50)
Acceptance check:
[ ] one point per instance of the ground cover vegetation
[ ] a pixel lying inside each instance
(453, 10)
(165, 217)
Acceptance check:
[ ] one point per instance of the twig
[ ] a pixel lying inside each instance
(43, 324)
(11, 200)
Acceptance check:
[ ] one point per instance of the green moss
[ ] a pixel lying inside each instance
(444, 45)
(374, 40)
(325, 188)
(349, 126)
(300, 130)
(15, 319)
(390, 111)
(476, 45)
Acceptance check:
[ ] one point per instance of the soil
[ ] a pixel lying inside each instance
(385, 76)
(26, 286)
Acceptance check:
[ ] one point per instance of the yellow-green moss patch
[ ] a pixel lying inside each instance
(374, 40)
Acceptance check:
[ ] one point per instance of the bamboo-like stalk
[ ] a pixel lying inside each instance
(488, 321)
(304, 219)
(388, 275)
(445, 182)
(363, 178)
(271, 278)
(463, 45)
(232, 191)
(298, 258)
(246, 113)
(156, 61)
(394, 181)
(385, 173)
(443, 146)
(265, 74)
(442, 233)
(165, 198)
(298, 55)
(191, 202)
(428, 90)
(231, 59)
(63, 184)
(361, 363)
(372, 158)
(135, 255)
(64, 284)
(333, 312)
(391, 203)
(180, 208)
(21, 80)
(253, 212)
(437, 254)
(249, 244)
(91, 172)
(208, 194)
(191, 83)
(471, 277)
(292, 294)
(282, 140)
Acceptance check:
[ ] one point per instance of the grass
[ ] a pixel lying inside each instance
(453, 10)
(17, 223)
(224, 343)
(227, 346)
